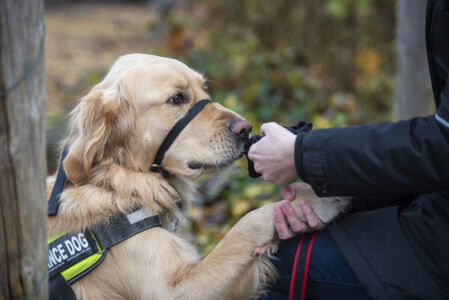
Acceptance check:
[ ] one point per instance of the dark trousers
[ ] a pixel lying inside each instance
(330, 277)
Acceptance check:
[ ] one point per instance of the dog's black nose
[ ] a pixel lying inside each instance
(241, 127)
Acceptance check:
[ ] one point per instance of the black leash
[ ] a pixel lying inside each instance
(173, 134)
(53, 202)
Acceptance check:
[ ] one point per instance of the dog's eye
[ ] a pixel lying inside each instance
(178, 99)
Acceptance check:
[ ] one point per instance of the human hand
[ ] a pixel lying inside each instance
(273, 155)
(287, 222)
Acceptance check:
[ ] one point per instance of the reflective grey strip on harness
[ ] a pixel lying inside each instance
(123, 227)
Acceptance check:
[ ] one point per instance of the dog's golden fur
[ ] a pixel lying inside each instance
(115, 132)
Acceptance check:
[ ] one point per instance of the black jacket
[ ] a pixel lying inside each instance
(397, 239)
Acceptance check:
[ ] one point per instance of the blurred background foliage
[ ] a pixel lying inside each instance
(330, 62)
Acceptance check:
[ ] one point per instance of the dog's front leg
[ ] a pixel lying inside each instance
(231, 270)
(326, 208)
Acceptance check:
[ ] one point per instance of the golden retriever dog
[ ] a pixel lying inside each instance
(115, 132)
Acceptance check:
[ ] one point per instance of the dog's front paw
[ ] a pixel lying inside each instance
(326, 208)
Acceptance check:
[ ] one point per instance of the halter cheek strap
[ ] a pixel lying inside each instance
(173, 134)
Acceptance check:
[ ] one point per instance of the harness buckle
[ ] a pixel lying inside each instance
(155, 167)
(158, 169)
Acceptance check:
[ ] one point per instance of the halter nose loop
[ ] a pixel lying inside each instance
(173, 134)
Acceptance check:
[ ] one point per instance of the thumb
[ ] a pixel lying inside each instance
(266, 128)
(288, 193)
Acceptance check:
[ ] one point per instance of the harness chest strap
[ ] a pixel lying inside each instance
(72, 256)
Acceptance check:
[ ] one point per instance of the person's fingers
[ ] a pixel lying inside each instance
(296, 225)
(264, 127)
(280, 224)
(288, 193)
(312, 219)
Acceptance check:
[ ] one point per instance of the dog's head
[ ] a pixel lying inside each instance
(125, 118)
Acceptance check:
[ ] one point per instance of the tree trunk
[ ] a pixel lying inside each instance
(23, 224)
(412, 94)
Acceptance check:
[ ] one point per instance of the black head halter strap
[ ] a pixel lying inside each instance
(53, 202)
(173, 134)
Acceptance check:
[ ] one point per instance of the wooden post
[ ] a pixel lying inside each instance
(412, 94)
(23, 223)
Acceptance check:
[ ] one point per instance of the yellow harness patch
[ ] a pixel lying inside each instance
(73, 255)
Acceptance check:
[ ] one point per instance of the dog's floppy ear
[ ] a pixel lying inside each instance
(100, 121)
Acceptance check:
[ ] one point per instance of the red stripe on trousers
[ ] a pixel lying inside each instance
(306, 269)
(292, 280)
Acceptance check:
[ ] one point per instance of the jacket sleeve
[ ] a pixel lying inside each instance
(371, 202)
(405, 157)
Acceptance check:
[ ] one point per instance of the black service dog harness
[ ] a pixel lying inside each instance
(73, 255)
